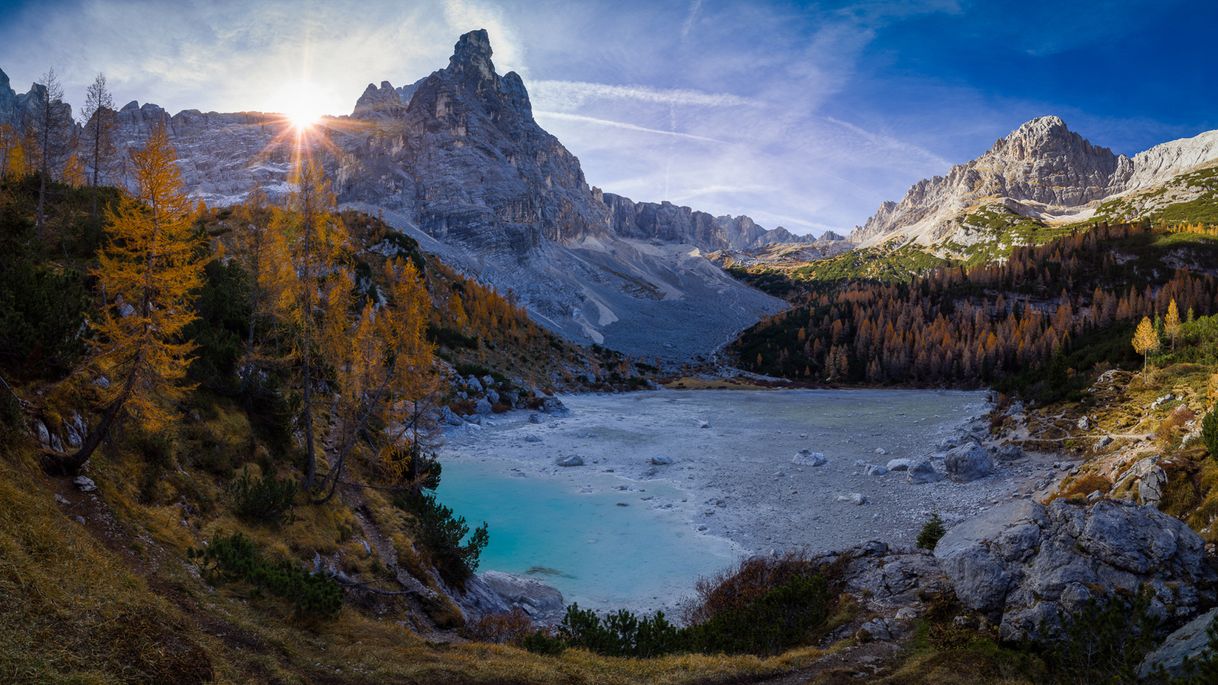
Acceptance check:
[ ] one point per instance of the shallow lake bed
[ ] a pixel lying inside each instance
(623, 530)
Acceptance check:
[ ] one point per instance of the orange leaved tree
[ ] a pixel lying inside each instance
(384, 372)
(147, 273)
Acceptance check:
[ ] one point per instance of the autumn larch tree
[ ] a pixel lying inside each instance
(1145, 340)
(147, 272)
(1171, 322)
(315, 242)
(384, 374)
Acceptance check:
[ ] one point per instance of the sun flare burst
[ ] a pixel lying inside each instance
(301, 103)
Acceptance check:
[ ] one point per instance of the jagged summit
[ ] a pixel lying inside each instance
(472, 56)
(1041, 169)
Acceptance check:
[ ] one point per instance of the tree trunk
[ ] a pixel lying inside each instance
(67, 464)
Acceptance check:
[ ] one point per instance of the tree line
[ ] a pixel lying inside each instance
(972, 326)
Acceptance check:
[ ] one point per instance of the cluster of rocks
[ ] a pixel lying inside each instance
(482, 397)
(1026, 568)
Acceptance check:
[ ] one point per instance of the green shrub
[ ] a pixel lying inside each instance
(1104, 642)
(1209, 432)
(932, 531)
(781, 618)
(262, 500)
(235, 558)
(443, 535)
(621, 633)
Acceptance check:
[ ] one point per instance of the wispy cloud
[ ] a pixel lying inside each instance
(573, 94)
(567, 116)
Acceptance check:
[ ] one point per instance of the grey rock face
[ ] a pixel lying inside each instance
(667, 222)
(1028, 565)
(495, 592)
(968, 462)
(1144, 481)
(1190, 642)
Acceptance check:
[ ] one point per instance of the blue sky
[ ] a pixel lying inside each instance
(806, 115)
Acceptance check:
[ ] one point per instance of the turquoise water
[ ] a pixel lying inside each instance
(596, 552)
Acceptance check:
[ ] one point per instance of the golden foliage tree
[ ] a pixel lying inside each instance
(385, 374)
(314, 241)
(1171, 322)
(1145, 339)
(148, 272)
(74, 171)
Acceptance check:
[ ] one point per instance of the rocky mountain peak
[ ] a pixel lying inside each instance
(383, 101)
(472, 56)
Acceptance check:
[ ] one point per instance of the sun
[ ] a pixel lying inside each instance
(301, 103)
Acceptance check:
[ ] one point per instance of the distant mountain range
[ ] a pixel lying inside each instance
(1049, 175)
(457, 160)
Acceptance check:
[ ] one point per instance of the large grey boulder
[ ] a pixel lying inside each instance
(923, 472)
(1028, 566)
(968, 462)
(1190, 642)
(483, 407)
(572, 460)
(495, 592)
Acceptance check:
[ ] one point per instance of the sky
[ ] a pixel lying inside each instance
(800, 114)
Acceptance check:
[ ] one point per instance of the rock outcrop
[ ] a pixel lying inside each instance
(1043, 170)
(1028, 566)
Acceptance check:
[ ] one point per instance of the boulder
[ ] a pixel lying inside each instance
(554, 406)
(84, 484)
(532, 438)
(473, 384)
(450, 417)
(968, 462)
(923, 472)
(661, 460)
(483, 407)
(1027, 566)
(573, 460)
(1190, 642)
(856, 498)
(874, 470)
(492, 397)
(809, 458)
(1143, 482)
(901, 464)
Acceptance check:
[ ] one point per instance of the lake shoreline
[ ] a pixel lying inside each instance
(766, 504)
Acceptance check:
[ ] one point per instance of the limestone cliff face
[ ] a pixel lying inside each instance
(1042, 169)
(467, 161)
(670, 223)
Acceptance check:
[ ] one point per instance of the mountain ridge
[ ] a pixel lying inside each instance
(1041, 170)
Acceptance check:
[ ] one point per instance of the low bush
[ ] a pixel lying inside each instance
(781, 618)
(512, 628)
(443, 535)
(1169, 429)
(932, 531)
(1104, 642)
(1209, 432)
(621, 633)
(235, 558)
(265, 499)
(764, 607)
